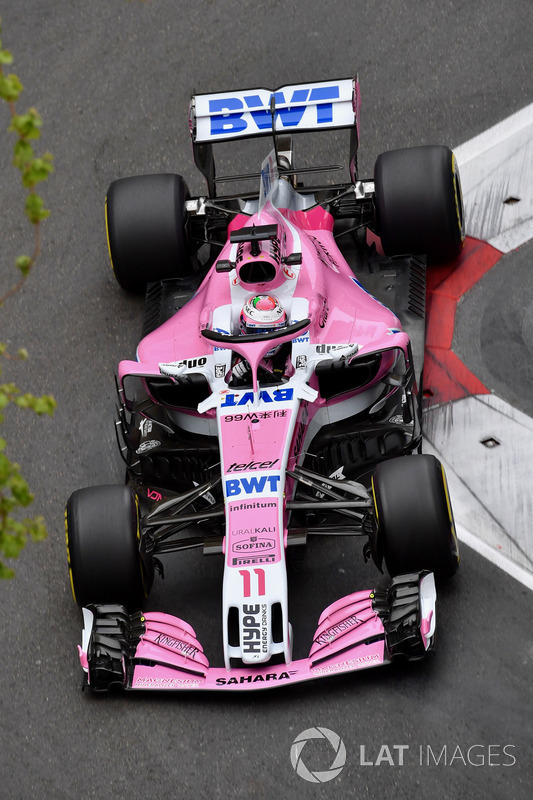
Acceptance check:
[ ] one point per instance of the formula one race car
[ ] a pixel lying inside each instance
(273, 398)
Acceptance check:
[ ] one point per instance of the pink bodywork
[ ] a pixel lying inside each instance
(258, 433)
(324, 278)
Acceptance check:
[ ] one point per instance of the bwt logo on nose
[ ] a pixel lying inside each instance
(254, 485)
(235, 112)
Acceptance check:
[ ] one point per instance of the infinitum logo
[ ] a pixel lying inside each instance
(333, 741)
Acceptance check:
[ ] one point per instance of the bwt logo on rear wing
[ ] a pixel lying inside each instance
(299, 107)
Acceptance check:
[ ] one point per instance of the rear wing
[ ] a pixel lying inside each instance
(256, 112)
(295, 108)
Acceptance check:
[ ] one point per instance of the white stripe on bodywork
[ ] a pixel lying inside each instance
(428, 598)
(88, 623)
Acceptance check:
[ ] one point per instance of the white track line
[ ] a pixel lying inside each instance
(523, 576)
(497, 166)
(490, 487)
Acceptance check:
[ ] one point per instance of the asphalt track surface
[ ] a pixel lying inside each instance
(112, 81)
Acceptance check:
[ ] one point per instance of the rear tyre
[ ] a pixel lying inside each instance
(416, 529)
(102, 530)
(145, 221)
(419, 206)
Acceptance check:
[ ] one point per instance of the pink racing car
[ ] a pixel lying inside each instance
(273, 398)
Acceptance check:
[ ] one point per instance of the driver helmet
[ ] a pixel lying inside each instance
(262, 313)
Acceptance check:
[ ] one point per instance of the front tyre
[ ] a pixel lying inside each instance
(102, 531)
(419, 206)
(416, 530)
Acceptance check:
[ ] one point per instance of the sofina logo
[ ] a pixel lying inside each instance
(333, 741)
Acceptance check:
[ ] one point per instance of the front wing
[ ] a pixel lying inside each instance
(159, 651)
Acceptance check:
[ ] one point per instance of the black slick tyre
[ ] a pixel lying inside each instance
(419, 207)
(145, 222)
(102, 530)
(416, 530)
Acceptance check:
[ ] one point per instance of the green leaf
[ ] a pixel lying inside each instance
(36, 528)
(23, 353)
(36, 171)
(35, 210)
(9, 389)
(22, 153)
(45, 405)
(21, 492)
(24, 401)
(5, 572)
(5, 57)
(24, 264)
(12, 545)
(41, 405)
(10, 88)
(27, 125)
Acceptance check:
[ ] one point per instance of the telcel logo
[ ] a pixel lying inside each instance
(257, 109)
(252, 465)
